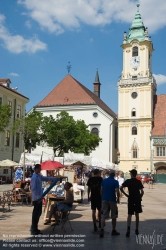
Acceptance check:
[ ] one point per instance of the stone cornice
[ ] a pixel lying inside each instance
(140, 81)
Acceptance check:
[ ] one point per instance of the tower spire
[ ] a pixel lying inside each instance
(97, 84)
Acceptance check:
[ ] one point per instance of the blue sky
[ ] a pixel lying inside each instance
(38, 38)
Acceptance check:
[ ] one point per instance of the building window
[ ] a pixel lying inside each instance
(135, 51)
(18, 111)
(134, 153)
(5, 171)
(7, 138)
(95, 131)
(134, 95)
(95, 114)
(161, 151)
(133, 112)
(10, 105)
(17, 140)
(0, 100)
(134, 131)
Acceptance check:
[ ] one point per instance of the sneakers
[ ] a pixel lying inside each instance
(136, 232)
(128, 234)
(101, 233)
(95, 228)
(36, 232)
(114, 232)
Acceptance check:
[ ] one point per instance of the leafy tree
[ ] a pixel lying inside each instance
(64, 134)
(5, 115)
(29, 128)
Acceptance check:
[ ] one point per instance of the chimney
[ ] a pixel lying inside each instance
(97, 85)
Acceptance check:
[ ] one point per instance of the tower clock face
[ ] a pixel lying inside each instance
(135, 62)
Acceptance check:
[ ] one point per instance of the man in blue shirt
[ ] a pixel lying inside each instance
(110, 198)
(36, 189)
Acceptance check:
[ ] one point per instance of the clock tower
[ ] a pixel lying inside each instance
(136, 90)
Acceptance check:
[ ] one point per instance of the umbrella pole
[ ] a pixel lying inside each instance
(24, 165)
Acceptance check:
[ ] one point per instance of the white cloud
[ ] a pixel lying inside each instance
(28, 24)
(160, 79)
(58, 15)
(16, 43)
(13, 74)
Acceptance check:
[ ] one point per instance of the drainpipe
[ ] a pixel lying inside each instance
(111, 141)
(151, 160)
(13, 135)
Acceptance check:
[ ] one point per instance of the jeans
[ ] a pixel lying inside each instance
(37, 211)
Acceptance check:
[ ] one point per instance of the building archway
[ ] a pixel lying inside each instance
(160, 168)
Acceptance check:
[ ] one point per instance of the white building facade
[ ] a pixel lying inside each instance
(73, 97)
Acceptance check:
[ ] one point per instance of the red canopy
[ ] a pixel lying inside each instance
(51, 165)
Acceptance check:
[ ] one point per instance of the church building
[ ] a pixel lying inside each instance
(81, 103)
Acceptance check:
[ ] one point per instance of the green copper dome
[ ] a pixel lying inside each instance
(137, 30)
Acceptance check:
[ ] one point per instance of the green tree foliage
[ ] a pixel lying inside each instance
(29, 128)
(64, 134)
(5, 115)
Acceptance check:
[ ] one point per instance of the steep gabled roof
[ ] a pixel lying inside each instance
(159, 115)
(71, 92)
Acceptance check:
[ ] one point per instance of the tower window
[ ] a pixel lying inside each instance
(134, 131)
(95, 131)
(133, 112)
(134, 153)
(135, 51)
(134, 95)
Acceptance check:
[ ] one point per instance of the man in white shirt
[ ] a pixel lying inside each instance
(120, 179)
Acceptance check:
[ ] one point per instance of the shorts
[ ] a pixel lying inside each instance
(63, 207)
(108, 206)
(96, 204)
(134, 207)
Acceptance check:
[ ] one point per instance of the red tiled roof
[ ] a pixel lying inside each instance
(159, 115)
(71, 92)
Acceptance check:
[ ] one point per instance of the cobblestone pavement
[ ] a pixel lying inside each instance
(14, 226)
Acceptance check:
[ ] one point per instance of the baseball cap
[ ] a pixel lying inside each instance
(96, 171)
(133, 171)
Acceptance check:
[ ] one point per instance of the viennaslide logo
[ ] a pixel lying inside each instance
(150, 239)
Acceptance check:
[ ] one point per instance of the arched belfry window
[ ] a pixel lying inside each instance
(95, 131)
(134, 150)
(134, 130)
(135, 51)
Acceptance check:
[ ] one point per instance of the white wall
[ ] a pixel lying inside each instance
(102, 122)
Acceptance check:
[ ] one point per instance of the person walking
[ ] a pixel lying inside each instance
(136, 192)
(36, 189)
(151, 180)
(94, 195)
(110, 198)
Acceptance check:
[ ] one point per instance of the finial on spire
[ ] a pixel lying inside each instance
(138, 4)
(68, 67)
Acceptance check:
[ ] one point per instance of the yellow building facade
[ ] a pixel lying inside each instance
(136, 90)
(11, 146)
